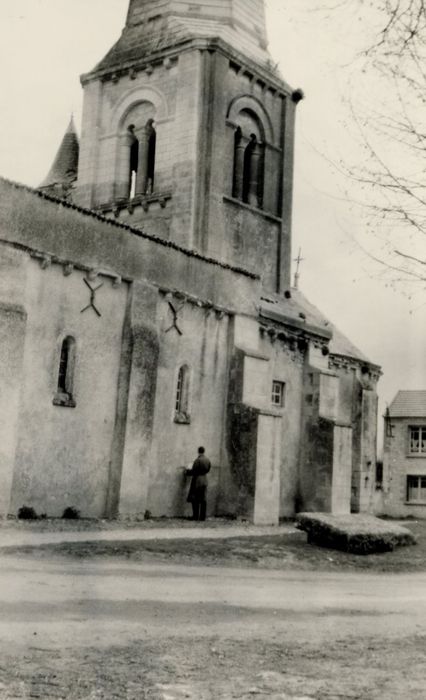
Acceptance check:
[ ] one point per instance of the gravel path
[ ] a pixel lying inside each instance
(16, 536)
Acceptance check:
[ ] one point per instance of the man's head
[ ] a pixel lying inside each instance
(201, 450)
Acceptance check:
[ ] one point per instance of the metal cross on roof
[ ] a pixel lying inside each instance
(298, 260)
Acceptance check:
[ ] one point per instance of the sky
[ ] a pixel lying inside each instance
(46, 44)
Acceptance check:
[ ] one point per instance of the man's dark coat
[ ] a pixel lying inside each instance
(198, 487)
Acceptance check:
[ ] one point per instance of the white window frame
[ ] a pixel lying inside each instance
(278, 392)
(419, 452)
(420, 489)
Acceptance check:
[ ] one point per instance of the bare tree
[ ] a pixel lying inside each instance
(389, 113)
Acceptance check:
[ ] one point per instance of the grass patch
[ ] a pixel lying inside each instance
(283, 551)
(356, 534)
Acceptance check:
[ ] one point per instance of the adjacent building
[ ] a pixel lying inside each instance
(404, 456)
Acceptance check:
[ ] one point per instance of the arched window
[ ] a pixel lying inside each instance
(142, 160)
(64, 392)
(182, 396)
(250, 172)
(249, 147)
(238, 178)
(134, 159)
(136, 151)
(152, 142)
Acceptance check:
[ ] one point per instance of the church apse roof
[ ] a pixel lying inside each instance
(154, 25)
(299, 311)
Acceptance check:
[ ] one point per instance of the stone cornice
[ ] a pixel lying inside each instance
(264, 73)
(300, 325)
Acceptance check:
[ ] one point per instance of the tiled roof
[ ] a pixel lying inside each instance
(65, 165)
(301, 311)
(408, 404)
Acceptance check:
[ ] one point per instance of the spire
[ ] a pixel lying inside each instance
(63, 172)
(153, 25)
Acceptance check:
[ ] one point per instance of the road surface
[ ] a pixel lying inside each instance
(110, 628)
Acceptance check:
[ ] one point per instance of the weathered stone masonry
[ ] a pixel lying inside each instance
(146, 302)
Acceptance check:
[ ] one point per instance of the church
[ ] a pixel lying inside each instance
(146, 303)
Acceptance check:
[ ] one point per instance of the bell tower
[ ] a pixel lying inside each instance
(188, 133)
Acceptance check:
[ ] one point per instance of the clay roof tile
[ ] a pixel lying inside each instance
(409, 404)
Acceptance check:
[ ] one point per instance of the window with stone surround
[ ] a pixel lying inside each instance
(142, 146)
(64, 390)
(151, 136)
(136, 154)
(416, 489)
(134, 159)
(248, 173)
(182, 396)
(417, 440)
(278, 394)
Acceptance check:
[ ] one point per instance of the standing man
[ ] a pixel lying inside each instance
(198, 488)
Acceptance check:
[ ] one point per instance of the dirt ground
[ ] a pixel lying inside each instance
(238, 618)
(286, 551)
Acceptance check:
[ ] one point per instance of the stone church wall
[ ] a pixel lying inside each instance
(63, 452)
(55, 229)
(258, 362)
(123, 423)
(13, 319)
(286, 366)
(203, 350)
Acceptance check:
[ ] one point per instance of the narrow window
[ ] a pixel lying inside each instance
(238, 175)
(179, 389)
(146, 159)
(182, 396)
(379, 475)
(152, 142)
(134, 160)
(278, 394)
(64, 392)
(248, 168)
